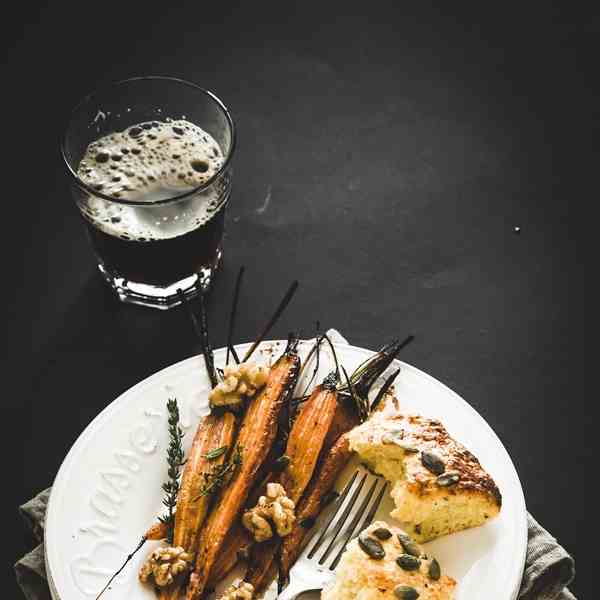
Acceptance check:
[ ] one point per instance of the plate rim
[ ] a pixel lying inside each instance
(176, 366)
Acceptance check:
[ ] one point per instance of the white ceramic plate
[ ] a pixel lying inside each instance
(108, 489)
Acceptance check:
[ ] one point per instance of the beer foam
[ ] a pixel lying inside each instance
(151, 161)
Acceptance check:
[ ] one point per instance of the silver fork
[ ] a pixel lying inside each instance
(314, 569)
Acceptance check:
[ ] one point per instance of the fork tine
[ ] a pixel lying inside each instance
(367, 521)
(371, 514)
(339, 501)
(343, 518)
(359, 513)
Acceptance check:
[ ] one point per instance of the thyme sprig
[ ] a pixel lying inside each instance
(175, 461)
(171, 487)
(220, 474)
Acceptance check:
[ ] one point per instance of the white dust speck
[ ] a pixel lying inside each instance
(261, 209)
(99, 116)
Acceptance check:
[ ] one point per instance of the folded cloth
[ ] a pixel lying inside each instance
(31, 569)
(549, 568)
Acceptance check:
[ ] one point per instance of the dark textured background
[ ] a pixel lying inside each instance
(399, 150)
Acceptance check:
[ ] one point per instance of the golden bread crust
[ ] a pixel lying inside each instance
(438, 485)
(359, 576)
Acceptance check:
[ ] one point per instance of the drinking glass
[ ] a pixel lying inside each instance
(184, 244)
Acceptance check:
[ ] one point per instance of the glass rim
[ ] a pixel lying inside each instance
(174, 198)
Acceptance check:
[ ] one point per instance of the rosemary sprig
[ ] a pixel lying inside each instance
(175, 461)
(216, 478)
(356, 386)
(360, 402)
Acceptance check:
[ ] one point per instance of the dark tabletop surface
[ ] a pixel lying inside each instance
(399, 152)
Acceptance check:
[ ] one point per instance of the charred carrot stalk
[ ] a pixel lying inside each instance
(257, 433)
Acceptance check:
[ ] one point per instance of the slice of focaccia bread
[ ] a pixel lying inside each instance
(438, 485)
(383, 563)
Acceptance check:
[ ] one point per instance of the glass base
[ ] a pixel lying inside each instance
(161, 297)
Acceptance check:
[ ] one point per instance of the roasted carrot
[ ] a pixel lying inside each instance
(306, 439)
(304, 445)
(158, 531)
(257, 432)
(236, 547)
(213, 432)
(312, 502)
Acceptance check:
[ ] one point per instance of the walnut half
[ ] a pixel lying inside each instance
(164, 564)
(242, 591)
(273, 510)
(239, 381)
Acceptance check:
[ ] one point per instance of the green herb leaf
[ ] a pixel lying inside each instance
(175, 461)
(221, 474)
(216, 452)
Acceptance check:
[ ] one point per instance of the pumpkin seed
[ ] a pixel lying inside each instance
(397, 438)
(396, 429)
(406, 592)
(371, 547)
(382, 533)
(407, 447)
(281, 463)
(408, 545)
(448, 479)
(433, 462)
(408, 562)
(434, 571)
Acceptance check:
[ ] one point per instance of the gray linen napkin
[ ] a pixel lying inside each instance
(548, 567)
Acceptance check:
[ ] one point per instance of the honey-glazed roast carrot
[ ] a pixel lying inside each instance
(304, 444)
(335, 456)
(239, 541)
(306, 438)
(256, 435)
(312, 502)
(158, 531)
(214, 432)
(235, 548)
(308, 450)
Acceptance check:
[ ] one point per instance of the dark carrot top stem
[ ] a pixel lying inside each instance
(232, 316)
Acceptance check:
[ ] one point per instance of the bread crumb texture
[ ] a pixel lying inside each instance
(438, 486)
(360, 577)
